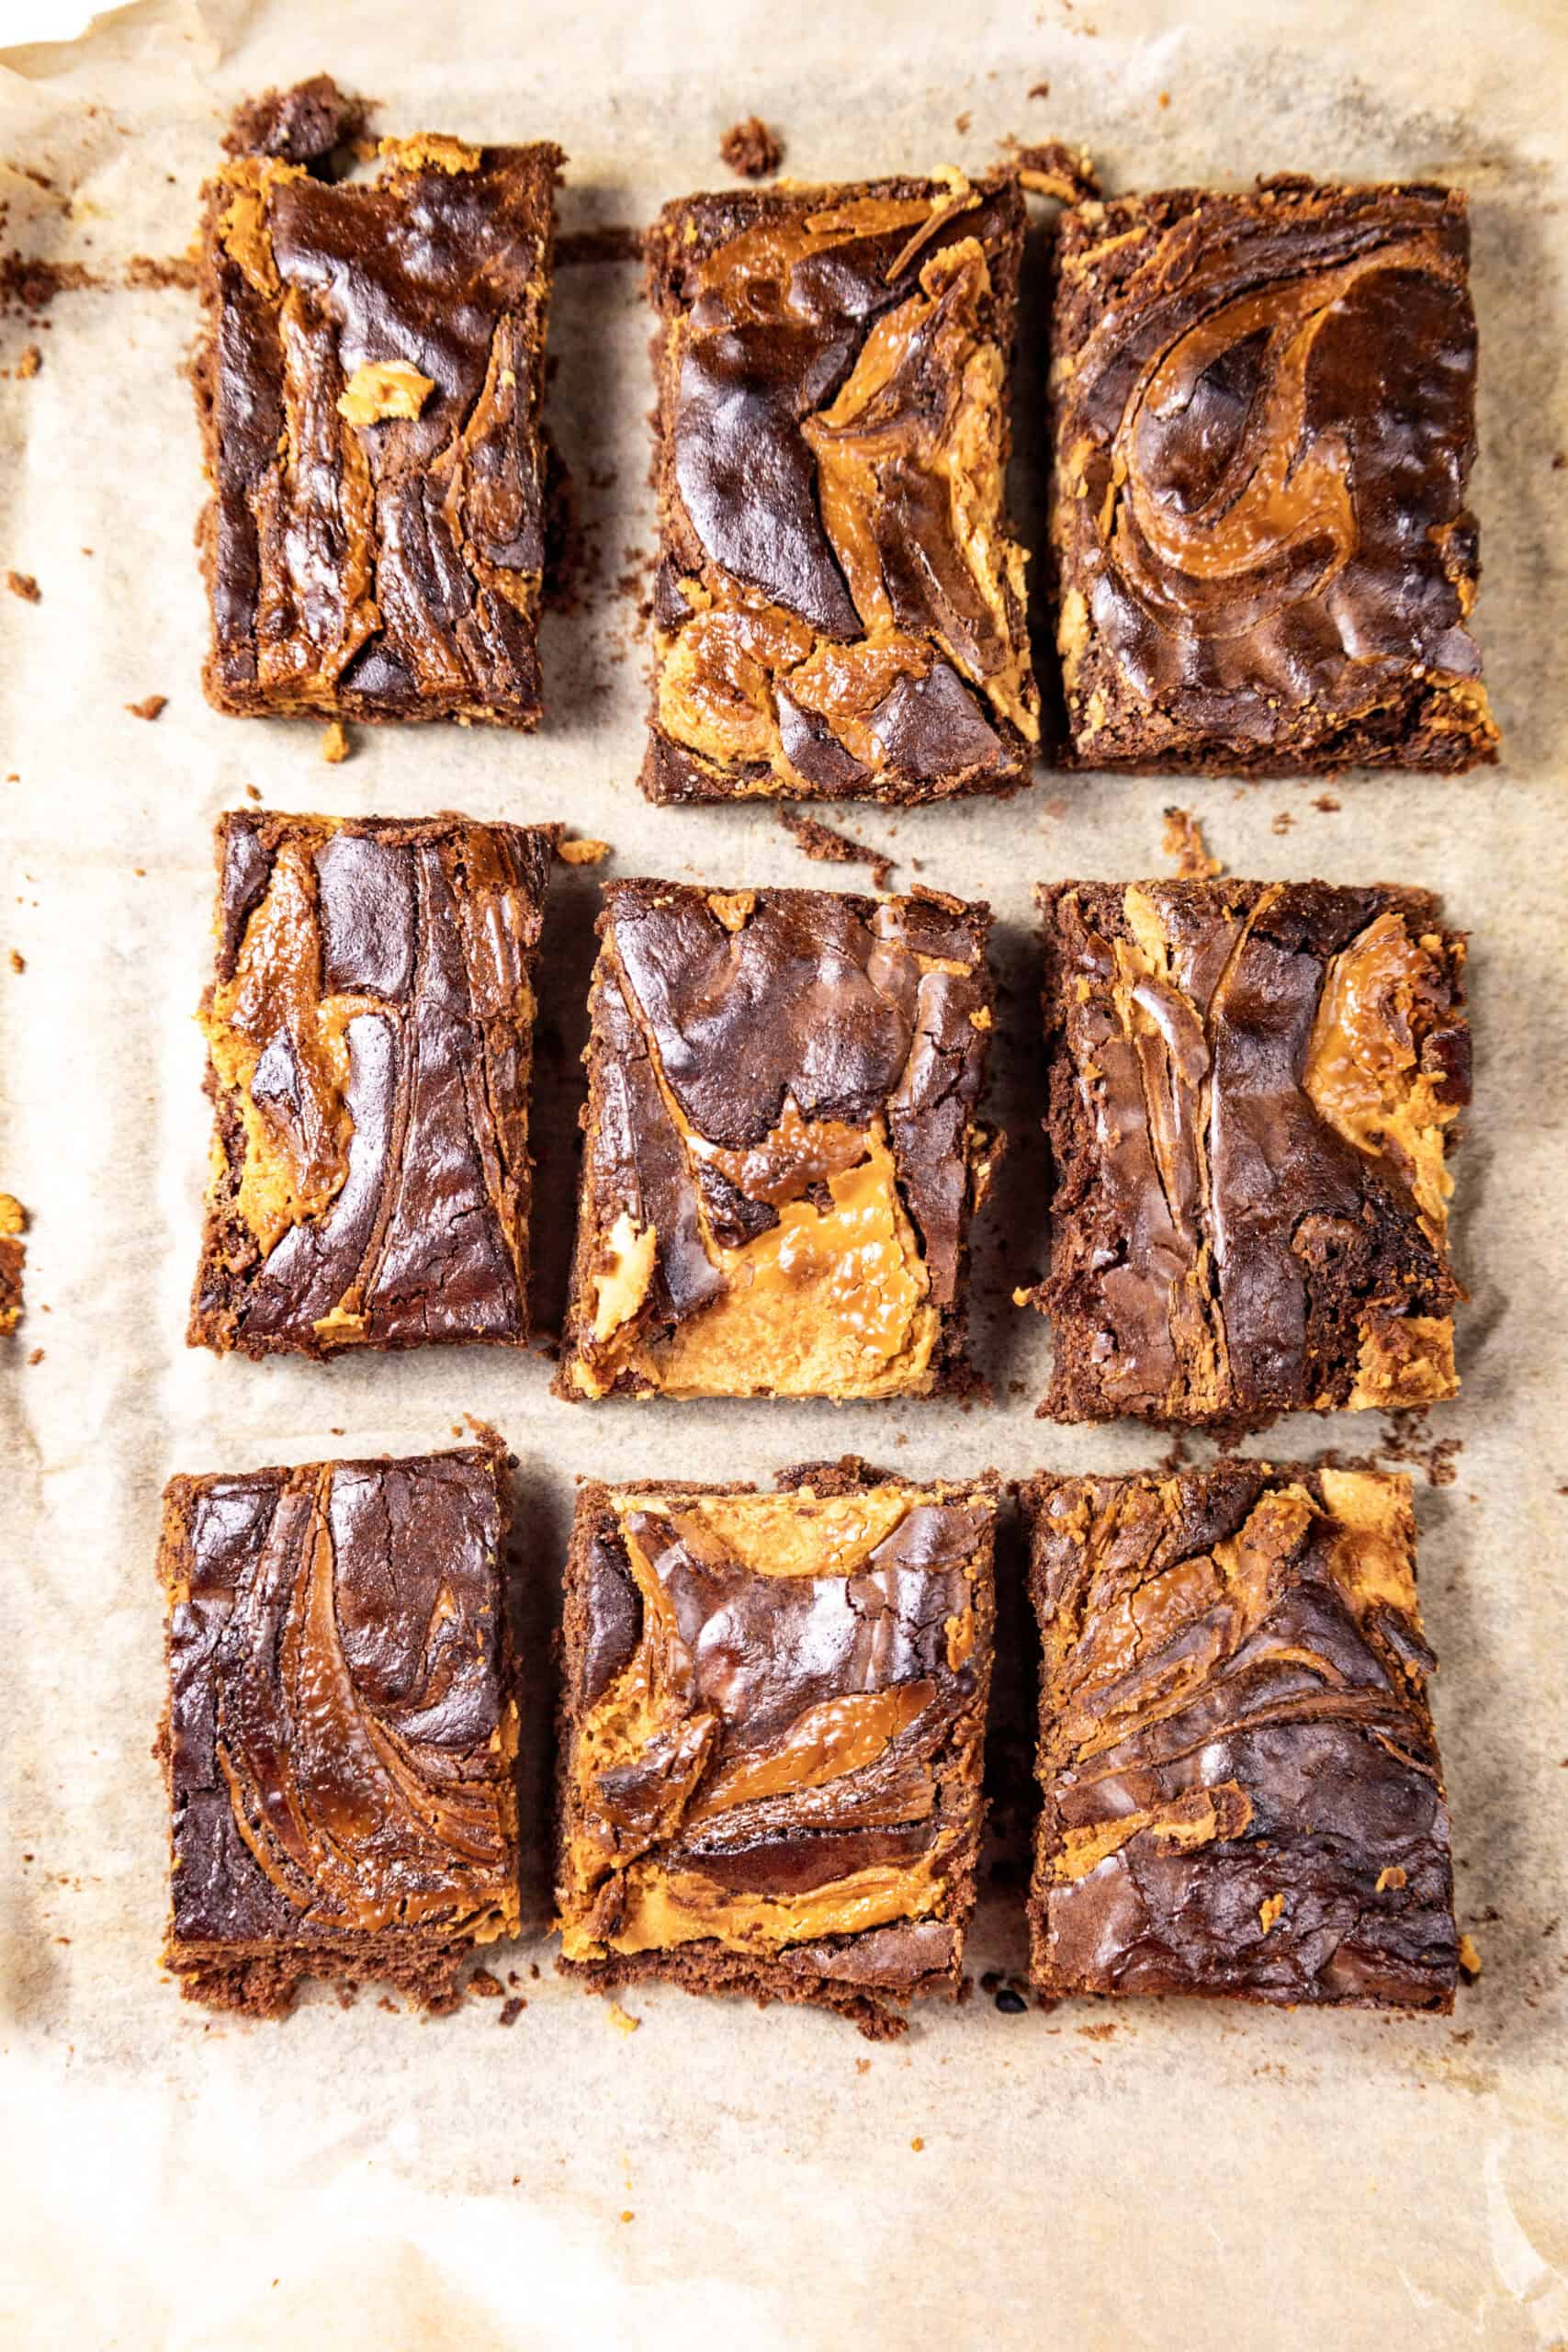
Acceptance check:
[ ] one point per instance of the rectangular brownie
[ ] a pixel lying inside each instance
(1241, 1786)
(369, 391)
(341, 1729)
(1250, 1089)
(839, 607)
(369, 1037)
(782, 1147)
(1263, 420)
(772, 1719)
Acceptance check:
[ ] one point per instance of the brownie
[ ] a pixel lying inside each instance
(369, 388)
(772, 1714)
(341, 1729)
(1264, 422)
(839, 607)
(1241, 1786)
(369, 1038)
(782, 1147)
(1250, 1089)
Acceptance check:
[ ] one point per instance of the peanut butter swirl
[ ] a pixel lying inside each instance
(1265, 421)
(1252, 1092)
(341, 1742)
(777, 1704)
(784, 1148)
(840, 605)
(1242, 1787)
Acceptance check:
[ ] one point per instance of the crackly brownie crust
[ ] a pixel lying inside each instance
(341, 1732)
(1263, 423)
(369, 1039)
(1242, 1792)
(1250, 1089)
(369, 391)
(771, 1727)
(783, 1150)
(839, 607)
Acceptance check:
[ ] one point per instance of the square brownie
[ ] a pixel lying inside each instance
(1264, 421)
(370, 389)
(341, 1730)
(1251, 1086)
(1242, 1792)
(772, 1719)
(839, 607)
(369, 1037)
(782, 1147)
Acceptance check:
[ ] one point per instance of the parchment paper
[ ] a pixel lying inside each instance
(1193, 2175)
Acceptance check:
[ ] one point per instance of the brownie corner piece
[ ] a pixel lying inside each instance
(801, 1826)
(1245, 1797)
(369, 1039)
(1263, 419)
(341, 1732)
(369, 388)
(839, 606)
(1251, 1090)
(784, 1146)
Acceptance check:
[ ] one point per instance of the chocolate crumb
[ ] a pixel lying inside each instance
(1011, 2004)
(1283, 822)
(485, 1987)
(1039, 90)
(830, 847)
(149, 706)
(961, 122)
(28, 283)
(36, 1356)
(1327, 803)
(160, 271)
(23, 584)
(750, 149)
(1183, 840)
(510, 2011)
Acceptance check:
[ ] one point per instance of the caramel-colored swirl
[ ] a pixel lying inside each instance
(355, 1809)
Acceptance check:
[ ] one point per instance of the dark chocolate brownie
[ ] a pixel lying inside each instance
(771, 1726)
(1250, 1089)
(370, 1040)
(1263, 420)
(341, 1730)
(1241, 1782)
(369, 391)
(839, 607)
(783, 1148)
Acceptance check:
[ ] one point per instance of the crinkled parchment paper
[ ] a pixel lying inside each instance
(1123, 2176)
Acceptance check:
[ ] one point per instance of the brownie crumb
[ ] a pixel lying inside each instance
(23, 584)
(150, 707)
(751, 148)
(830, 847)
(36, 1357)
(304, 125)
(160, 271)
(29, 363)
(484, 1986)
(18, 961)
(1039, 90)
(510, 2011)
(1283, 822)
(1405, 1439)
(614, 242)
(28, 283)
(335, 743)
(253, 792)
(13, 1257)
(1183, 840)
(1327, 803)
(1049, 167)
(961, 122)
(582, 853)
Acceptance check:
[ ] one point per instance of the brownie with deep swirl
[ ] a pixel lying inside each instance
(341, 1728)
(1263, 414)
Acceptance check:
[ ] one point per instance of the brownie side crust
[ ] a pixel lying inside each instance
(1251, 1088)
(1242, 1791)
(772, 1719)
(784, 1147)
(1263, 419)
(341, 1731)
(370, 1034)
(370, 389)
(839, 607)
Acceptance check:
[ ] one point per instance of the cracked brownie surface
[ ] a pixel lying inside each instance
(370, 1034)
(1242, 1792)
(1251, 1090)
(370, 388)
